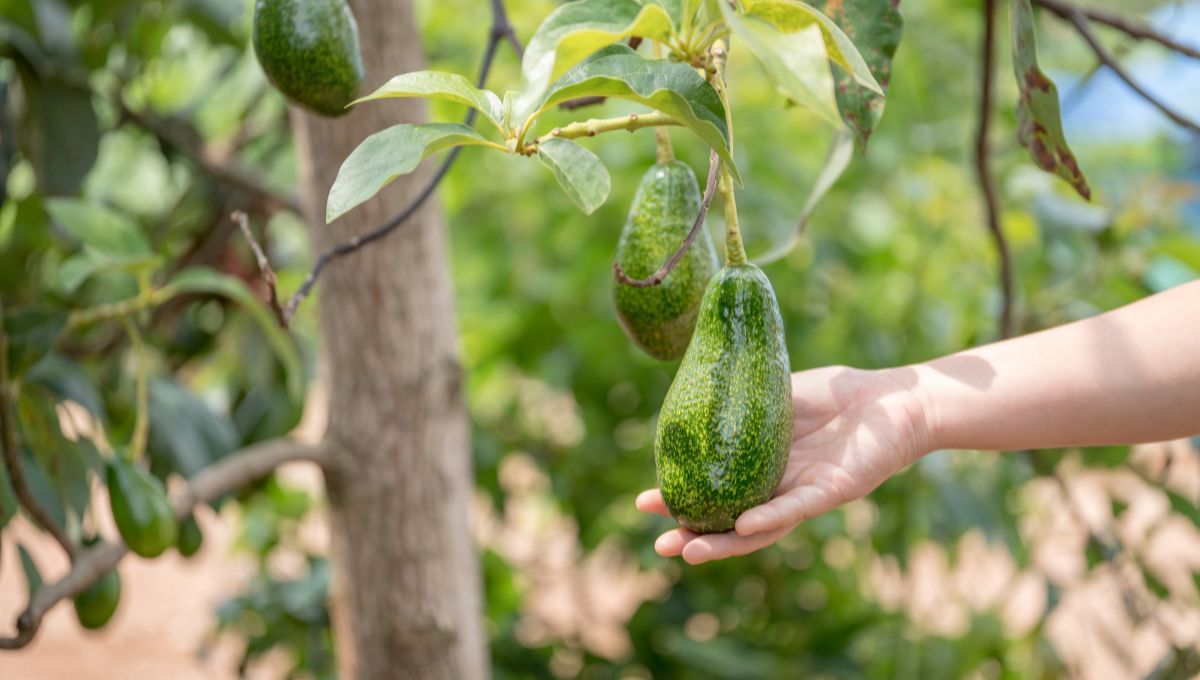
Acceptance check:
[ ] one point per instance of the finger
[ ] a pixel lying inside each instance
(786, 510)
(672, 543)
(710, 547)
(651, 500)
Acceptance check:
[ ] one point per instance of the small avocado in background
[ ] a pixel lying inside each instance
(190, 537)
(140, 508)
(95, 606)
(309, 51)
(726, 425)
(660, 319)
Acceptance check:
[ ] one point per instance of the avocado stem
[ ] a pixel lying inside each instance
(735, 252)
(141, 423)
(665, 152)
(594, 126)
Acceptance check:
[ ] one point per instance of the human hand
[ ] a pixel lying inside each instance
(853, 430)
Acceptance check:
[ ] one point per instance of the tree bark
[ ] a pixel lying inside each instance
(406, 592)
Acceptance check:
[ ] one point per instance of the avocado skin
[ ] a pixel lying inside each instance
(190, 537)
(140, 508)
(660, 319)
(726, 425)
(309, 51)
(98, 602)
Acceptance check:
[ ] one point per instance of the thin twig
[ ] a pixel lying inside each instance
(501, 30)
(1130, 27)
(1080, 21)
(986, 183)
(12, 461)
(228, 474)
(657, 277)
(264, 264)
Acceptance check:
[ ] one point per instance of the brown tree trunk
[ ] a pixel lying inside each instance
(406, 593)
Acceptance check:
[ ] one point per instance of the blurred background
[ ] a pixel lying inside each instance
(1065, 563)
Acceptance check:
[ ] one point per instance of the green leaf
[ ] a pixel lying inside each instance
(1153, 583)
(62, 138)
(841, 151)
(33, 576)
(8, 499)
(386, 155)
(577, 29)
(670, 87)
(185, 433)
(66, 379)
(32, 332)
(875, 27)
(200, 280)
(97, 227)
(42, 489)
(795, 62)
(439, 85)
(1039, 122)
(578, 171)
(1184, 507)
(792, 15)
(63, 463)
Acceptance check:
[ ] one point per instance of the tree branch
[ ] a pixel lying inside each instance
(12, 461)
(657, 277)
(1130, 27)
(986, 184)
(501, 30)
(264, 265)
(1080, 21)
(228, 474)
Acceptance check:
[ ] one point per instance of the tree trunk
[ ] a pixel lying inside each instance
(406, 593)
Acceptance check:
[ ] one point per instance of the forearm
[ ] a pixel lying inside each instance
(1130, 375)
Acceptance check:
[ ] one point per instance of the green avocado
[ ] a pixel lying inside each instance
(726, 424)
(660, 319)
(309, 51)
(190, 537)
(140, 508)
(98, 602)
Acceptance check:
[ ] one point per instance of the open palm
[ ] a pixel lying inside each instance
(853, 430)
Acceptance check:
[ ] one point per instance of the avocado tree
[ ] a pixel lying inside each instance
(101, 311)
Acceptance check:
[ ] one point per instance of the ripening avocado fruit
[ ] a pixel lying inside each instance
(726, 424)
(140, 508)
(309, 51)
(98, 602)
(190, 537)
(660, 319)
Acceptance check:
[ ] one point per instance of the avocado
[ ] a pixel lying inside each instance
(190, 537)
(309, 51)
(140, 508)
(726, 425)
(98, 602)
(660, 319)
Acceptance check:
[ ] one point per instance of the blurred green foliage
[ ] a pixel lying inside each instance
(896, 267)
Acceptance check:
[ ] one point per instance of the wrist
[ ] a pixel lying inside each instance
(924, 423)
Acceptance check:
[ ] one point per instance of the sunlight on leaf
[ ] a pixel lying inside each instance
(439, 85)
(670, 87)
(386, 155)
(577, 29)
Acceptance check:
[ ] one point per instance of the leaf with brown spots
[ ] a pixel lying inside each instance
(1039, 122)
(874, 26)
